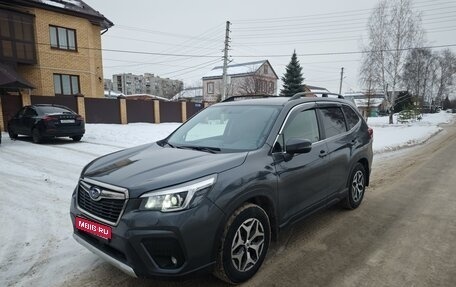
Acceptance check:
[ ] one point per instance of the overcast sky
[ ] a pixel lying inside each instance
(260, 30)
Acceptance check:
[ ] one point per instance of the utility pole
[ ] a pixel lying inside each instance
(225, 59)
(341, 79)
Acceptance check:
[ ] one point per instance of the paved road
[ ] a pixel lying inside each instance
(404, 234)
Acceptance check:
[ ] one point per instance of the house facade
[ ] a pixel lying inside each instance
(54, 46)
(252, 78)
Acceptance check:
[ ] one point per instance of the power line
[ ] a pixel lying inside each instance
(352, 52)
(342, 13)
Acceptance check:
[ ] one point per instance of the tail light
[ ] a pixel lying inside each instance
(49, 118)
(370, 131)
(80, 118)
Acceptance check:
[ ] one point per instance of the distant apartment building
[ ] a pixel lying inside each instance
(52, 47)
(108, 86)
(130, 84)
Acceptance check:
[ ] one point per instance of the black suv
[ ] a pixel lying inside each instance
(212, 194)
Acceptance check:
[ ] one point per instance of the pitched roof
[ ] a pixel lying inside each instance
(236, 69)
(191, 92)
(315, 88)
(72, 7)
(9, 78)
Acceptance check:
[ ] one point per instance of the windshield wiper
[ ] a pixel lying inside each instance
(200, 148)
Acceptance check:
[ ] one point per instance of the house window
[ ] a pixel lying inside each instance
(66, 84)
(271, 88)
(17, 42)
(63, 38)
(266, 69)
(210, 87)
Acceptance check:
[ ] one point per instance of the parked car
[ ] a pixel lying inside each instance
(46, 121)
(212, 194)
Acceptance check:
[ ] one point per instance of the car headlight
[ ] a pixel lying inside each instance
(178, 197)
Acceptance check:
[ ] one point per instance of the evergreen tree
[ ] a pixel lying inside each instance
(292, 79)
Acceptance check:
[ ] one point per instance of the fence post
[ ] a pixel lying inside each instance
(184, 111)
(2, 125)
(123, 111)
(156, 111)
(81, 105)
(26, 99)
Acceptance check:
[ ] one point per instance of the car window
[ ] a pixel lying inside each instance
(302, 125)
(20, 113)
(229, 128)
(351, 116)
(333, 121)
(53, 110)
(29, 112)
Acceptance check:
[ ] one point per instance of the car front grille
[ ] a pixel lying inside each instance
(107, 207)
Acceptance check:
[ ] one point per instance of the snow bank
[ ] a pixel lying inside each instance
(396, 136)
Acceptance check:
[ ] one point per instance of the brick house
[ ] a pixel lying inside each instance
(253, 78)
(53, 46)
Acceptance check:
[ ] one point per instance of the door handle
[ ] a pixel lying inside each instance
(323, 153)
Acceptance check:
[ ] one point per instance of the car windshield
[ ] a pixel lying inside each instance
(52, 110)
(226, 128)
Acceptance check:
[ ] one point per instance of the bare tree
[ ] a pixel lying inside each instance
(419, 74)
(255, 85)
(446, 74)
(370, 77)
(394, 28)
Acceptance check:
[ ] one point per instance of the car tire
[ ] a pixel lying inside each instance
(244, 244)
(11, 134)
(76, 138)
(356, 187)
(36, 136)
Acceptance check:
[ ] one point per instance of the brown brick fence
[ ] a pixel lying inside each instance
(102, 110)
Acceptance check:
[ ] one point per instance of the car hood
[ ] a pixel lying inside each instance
(150, 167)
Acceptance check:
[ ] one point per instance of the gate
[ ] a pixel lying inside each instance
(11, 104)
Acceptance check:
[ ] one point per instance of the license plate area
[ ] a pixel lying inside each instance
(67, 121)
(94, 228)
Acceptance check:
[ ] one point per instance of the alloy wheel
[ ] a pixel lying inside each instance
(358, 186)
(247, 244)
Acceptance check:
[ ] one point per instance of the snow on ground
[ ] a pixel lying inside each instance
(392, 137)
(36, 183)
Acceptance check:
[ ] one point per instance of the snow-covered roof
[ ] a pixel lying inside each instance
(71, 7)
(193, 92)
(236, 69)
(112, 94)
(146, 96)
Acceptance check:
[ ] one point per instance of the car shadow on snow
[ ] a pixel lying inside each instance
(51, 141)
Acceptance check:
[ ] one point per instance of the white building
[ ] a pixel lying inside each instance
(252, 78)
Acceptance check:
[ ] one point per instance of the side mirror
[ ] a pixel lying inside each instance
(297, 145)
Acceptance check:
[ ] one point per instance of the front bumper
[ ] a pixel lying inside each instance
(122, 266)
(155, 244)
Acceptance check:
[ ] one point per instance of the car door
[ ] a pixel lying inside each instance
(339, 143)
(15, 123)
(27, 121)
(302, 178)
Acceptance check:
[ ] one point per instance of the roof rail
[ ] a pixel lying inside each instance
(245, 97)
(323, 95)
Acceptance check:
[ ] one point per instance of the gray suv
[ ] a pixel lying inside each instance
(212, 195)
